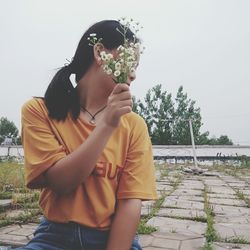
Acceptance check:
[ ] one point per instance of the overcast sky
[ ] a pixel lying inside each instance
(203, 45)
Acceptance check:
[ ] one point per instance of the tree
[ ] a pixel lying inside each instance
(185, 110)
(157, 110)
(168, 121)
(224, 140)
(7, 129)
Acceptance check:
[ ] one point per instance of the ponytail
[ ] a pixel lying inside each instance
(61, 97)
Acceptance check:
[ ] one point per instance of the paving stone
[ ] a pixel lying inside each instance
(223, 196)
(185, 213)
(155, 248)
(179, 203)
(193, 244)
(187, 192)
(7, 229)
(236, 219)
(173, 241)
(186, 227)
(164, 181)
(15, 240)
(145, 240)
(214, 182)
(145, 210)
(148, 203)
(163, 243)
(192, 185)
(211, 173)
(188, 197)
(22, 232)
(5, 203)
(237, 184)
(230, 210)
(161, 187)
(220, 190)
(17, 235)
(226, 230)
(231, 202)
(227, 246)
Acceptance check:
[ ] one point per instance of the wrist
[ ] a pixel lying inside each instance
(105, 128)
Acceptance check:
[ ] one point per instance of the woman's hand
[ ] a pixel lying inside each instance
(119, 103)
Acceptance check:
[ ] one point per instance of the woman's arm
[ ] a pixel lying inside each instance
(124, 224)
(69, 172)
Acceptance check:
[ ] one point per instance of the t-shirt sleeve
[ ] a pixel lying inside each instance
(138, 176)
(41, 148)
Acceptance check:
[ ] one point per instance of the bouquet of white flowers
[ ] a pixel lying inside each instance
(126, 60)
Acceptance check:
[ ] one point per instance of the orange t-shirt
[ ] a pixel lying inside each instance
(124, 169)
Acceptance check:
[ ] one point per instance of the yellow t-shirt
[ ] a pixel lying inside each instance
(124, 169)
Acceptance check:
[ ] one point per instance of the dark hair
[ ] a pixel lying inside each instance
(61, 97)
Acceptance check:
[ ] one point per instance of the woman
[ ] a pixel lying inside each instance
(89, 153)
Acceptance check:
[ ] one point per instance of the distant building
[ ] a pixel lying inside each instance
(7, 141)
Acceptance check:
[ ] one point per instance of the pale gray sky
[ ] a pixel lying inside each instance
(203, 45)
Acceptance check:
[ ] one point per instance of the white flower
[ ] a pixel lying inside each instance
(131, 58)
(106, 68)
(117, 73)
(121, 48)
(132, 70)
(118, 66)
(109, 71)
(103, 55)
(130, 64)
(109, 56)
(125, 61)
(137, 45)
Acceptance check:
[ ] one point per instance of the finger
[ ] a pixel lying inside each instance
(124, 110)
(125, 95)
(127, 103)
(119, 88)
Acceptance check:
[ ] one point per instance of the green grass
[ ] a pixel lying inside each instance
(196, 218)
(237, 240)
(145, 229)
(211, 234)
(12, 186)
(236, 171)
(208, 246)
(24, 217)
(241, 196)
(11, 176)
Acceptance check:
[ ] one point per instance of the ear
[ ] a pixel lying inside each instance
(97, 48)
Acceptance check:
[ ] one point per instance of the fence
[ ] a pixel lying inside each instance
(171, 153)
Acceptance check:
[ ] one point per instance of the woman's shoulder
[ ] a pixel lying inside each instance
(35, 104)
(134, 120)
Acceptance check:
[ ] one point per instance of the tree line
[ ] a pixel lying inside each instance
(166, 117)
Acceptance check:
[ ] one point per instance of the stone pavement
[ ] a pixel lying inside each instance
(181, 220)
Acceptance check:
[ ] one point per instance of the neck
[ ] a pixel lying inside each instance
(92, 93)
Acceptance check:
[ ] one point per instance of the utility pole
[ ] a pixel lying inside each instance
(192, 140)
